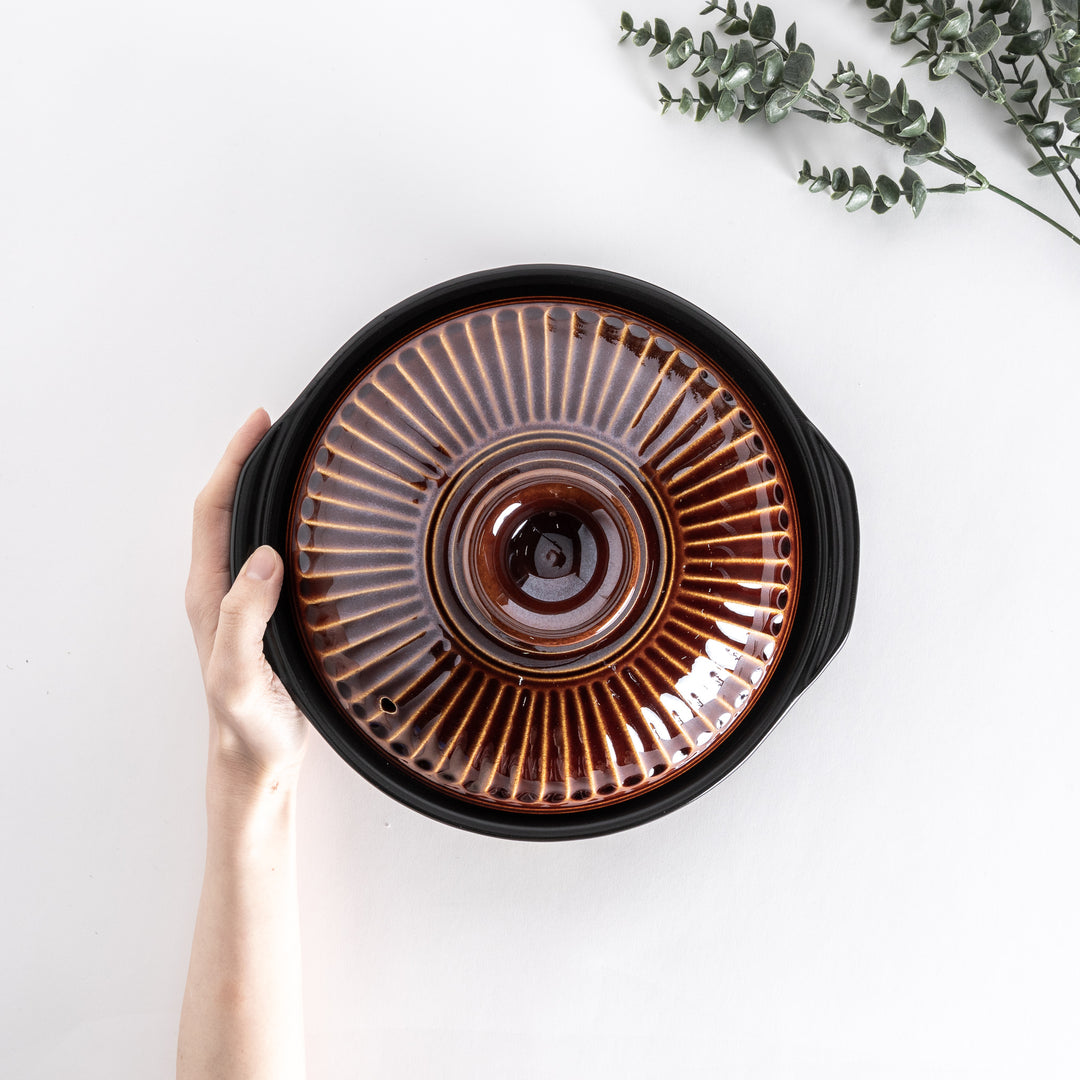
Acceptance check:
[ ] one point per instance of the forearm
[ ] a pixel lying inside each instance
(242, 1015)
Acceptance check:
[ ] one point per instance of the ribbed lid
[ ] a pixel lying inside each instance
(544, 554)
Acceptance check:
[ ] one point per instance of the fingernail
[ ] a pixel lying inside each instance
(262, 564)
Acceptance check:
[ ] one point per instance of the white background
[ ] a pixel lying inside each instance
(201, 202)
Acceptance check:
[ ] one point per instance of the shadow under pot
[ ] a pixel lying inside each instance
(559, 551)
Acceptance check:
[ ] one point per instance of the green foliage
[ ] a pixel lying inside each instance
(740, 79)
(880, 195)
(1027, 62)
(986, 50)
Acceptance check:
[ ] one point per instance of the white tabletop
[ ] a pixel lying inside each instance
(201, 203)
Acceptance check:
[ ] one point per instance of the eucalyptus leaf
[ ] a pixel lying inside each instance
(924, 145)
(753, 99)
(879, 88)
(1019, 17)
(860, 196)
(955, 25)
(908, 181)
(740, 74)
(745, 52)
(945, 65)
(903, 30)
(773, 69)
(799, 68)
(728, 102)
(899, 97)
(984, 37)
(678, 54)
(918, 197)
(917, 122)
(888, 189)
(1049, 165)
(1047, 134)
(762, 25)
(936, 127)
(886, 114)
(779, 104)
(1029, 44)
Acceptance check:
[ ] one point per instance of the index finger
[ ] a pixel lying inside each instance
(209, 579)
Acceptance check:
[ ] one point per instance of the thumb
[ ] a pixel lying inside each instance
(245, 611)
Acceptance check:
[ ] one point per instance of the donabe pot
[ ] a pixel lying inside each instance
(559, 550)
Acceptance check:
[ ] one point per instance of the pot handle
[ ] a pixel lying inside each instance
(251, 500)
(840, 556)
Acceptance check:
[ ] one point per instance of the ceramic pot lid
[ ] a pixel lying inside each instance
(544, 552)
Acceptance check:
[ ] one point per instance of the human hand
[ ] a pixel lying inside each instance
(257, 735)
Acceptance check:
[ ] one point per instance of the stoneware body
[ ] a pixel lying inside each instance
(559, 551)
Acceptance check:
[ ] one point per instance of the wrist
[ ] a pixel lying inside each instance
(240, 792)
(250, 830)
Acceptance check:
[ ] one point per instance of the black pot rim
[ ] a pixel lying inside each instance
(824, 493)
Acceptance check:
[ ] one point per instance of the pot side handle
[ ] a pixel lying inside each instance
(841, 556)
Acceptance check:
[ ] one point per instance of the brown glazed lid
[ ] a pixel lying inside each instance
(544, 554)
(559, 548)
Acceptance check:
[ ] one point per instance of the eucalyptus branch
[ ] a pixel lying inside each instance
(952, 42)
(1034, 134)
(756, 73)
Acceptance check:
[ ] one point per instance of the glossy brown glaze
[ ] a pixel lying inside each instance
(544, 555)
